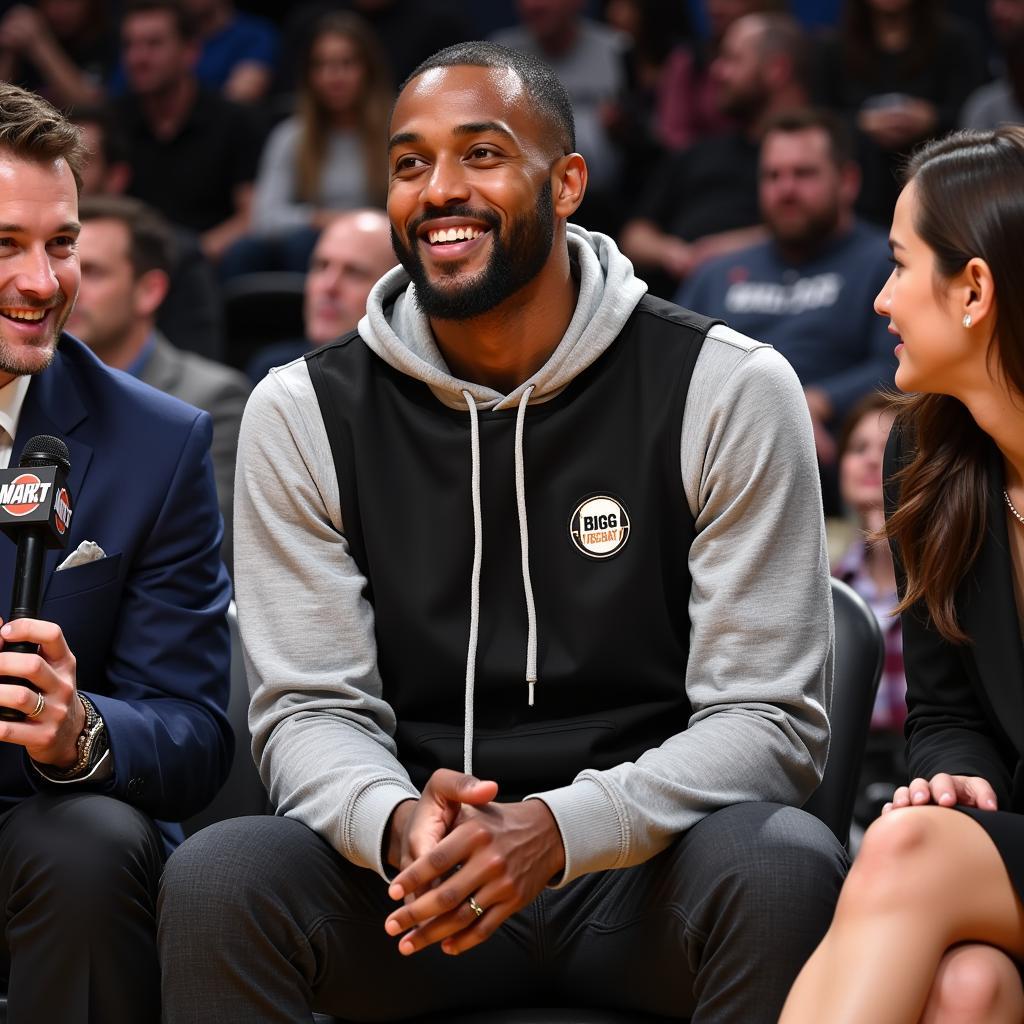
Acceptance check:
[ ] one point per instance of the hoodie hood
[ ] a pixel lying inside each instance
(396, 329)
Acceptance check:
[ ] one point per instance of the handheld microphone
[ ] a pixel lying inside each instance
(35, 512)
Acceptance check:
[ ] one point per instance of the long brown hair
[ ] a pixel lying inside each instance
(371, 117)
(970, 203)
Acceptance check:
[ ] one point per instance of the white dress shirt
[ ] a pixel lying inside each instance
(12, 398)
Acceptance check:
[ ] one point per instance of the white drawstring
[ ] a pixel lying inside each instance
(474, 599)
(478, 554)
(524, 545)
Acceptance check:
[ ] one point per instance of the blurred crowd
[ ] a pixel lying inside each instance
(744, 154)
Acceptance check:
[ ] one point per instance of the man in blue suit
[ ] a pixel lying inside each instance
(124, 729)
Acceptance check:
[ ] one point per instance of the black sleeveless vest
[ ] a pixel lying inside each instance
(613, 630)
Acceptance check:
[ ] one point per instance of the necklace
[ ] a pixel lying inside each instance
(1016, 514)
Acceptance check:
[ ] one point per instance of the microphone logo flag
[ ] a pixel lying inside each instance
(36, 497)
(62, 511)
(23, 495)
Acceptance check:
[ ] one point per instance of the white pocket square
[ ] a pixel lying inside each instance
(87, 551)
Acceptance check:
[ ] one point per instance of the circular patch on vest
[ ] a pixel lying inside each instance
(599, 528)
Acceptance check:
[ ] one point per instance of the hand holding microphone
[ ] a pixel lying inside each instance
(39, 705)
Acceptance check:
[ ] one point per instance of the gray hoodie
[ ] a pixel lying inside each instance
(759, 671)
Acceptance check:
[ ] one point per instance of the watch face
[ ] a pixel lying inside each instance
(93, 741)
(99, 735)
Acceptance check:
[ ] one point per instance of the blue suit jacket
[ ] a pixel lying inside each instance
(147, 623)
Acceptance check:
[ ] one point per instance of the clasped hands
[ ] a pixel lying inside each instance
(454, 843)
(945, 790)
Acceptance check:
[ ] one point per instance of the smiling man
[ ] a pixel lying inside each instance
(127, 251)
(533, 588)
(121, 710)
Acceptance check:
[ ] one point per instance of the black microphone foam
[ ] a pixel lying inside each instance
(46, 450)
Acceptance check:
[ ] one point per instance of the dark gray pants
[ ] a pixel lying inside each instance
(78, 883)
(260, 920)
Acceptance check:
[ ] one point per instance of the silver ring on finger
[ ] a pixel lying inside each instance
(38, 709)
(475, 907)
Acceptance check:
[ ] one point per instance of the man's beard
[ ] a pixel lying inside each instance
(513, 262)
(25, 360)
(746, 104)
(807, 235)
(105, 339)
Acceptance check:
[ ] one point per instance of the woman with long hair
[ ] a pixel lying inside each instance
(930, 924)
(329, 155)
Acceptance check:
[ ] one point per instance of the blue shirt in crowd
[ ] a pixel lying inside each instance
(817, 313)
(245, 38)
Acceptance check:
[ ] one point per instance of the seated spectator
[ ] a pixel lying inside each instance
(62, 49)
(702, 202)
(325, 158)
(929, 927)
(867, 567)
(193, 153)
(352, 253)
(900, 70)
(651, 723)
(238, 52)
(688, 108)
(589, 59)
(808, 289)
(1001, 101)
(191, 315)
(125, 250)
(121, 731)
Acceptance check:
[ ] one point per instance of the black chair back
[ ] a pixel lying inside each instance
(860, 651)
(259, 310)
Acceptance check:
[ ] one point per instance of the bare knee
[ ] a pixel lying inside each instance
(975, 983)
(898, 860)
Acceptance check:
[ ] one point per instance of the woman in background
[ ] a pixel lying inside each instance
(328, 156)
(930, 924)
(866, 565)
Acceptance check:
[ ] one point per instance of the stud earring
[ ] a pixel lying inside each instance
(967, 320)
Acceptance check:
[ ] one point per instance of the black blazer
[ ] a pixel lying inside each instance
(966, 703)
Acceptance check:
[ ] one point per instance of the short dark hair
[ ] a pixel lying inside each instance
(540, 81)
(184, 24)
(802, 119)
(151, 243)
(782, 34)
(32, 129)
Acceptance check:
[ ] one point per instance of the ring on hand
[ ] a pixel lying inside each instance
(38, 709)
(475, 907)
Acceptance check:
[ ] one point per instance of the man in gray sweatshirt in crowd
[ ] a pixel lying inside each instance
(533, 589)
